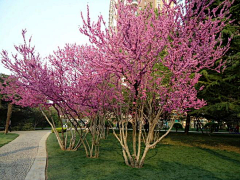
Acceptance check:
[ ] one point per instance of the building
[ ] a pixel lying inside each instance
(154, 3)
(112, 15)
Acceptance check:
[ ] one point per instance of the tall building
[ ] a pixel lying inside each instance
(112, 15)
(155, 3)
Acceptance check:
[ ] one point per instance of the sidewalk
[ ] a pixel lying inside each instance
(24, 157)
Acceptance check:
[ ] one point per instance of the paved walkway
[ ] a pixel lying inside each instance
(24, 157)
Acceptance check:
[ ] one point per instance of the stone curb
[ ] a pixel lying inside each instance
(37, 171)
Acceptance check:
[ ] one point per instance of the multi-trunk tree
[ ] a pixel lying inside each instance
(68, 83)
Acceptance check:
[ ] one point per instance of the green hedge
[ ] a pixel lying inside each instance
(59, 130)
(23, 127)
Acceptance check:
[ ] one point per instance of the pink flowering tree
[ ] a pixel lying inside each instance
(31, 84)
(86, 90)
(154, 58)
(66, 82)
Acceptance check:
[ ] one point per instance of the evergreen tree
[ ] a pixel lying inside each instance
(222, 91)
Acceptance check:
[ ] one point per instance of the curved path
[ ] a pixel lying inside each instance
(24, 157)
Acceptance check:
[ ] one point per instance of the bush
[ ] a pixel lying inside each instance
(27, 127)
(59, 130)
(177, 126)
(23, 127)
(211, 125)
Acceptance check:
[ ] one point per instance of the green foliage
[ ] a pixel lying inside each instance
(23, 118)
(211, 124)
(54, 116)
(23, 127)
(222, 91)
(59, 130)
(158, 70)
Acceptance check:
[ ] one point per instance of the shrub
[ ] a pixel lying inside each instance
(177, 126)
(23, 127)
(27, 127)
(211, 125)
(59, 130)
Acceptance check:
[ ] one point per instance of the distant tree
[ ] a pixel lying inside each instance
(22, 118)
(9, 111)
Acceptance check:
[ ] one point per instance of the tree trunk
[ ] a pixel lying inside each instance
(150, 131)
(143, 157)
(0, 103)
(9, 114)
(60, 141)
(187, 124)
(134, 134)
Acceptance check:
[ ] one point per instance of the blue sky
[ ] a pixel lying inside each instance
(51, 23)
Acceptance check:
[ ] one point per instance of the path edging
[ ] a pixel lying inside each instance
(37, 171)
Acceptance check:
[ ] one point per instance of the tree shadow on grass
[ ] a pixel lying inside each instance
(197, 140)
(219, 155)
(153, 153)
(163, 171)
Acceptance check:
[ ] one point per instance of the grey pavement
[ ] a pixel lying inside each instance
(24, 157)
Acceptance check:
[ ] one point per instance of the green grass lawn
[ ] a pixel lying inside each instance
(178, 157)
(4, 139)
